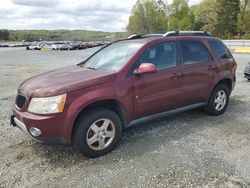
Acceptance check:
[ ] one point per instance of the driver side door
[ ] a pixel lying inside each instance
(162, 90)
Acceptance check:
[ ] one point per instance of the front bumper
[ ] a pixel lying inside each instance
(51, 129)
(17, 123)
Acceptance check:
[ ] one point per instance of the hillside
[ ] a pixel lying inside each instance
(58, 35)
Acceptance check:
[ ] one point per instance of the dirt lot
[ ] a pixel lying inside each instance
(190, 149)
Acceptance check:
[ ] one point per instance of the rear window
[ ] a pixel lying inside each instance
(220, 49)
(194, 52)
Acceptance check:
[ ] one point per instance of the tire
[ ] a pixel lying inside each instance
(218, 100)
(91, 137)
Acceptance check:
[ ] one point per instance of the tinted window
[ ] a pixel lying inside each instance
(220, 49)
(194, 52)
(162, 55)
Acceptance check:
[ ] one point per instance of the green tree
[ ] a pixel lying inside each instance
(180, 16)
(206, 15)
(161, 6)
(4, 34)
(244, 19)
(228, 11)
(148, 16)
(36, 35)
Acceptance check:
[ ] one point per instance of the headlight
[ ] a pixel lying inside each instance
(48, 105)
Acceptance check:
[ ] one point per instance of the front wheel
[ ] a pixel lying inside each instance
(218, 100)
(97, 132)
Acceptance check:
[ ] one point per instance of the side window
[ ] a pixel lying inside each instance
(194, 52)
(221, 50)
(162, 55)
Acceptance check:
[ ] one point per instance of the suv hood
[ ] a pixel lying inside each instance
(64, 80)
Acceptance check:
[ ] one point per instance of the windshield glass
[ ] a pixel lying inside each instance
(113, 57)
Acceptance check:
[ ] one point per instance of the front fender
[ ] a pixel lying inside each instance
(80, 99)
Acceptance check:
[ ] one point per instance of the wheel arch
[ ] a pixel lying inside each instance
(227, 82)
(111, 104)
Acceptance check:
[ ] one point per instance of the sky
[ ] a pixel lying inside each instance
(97, 15)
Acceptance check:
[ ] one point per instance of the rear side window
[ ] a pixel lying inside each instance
(221, 50)
(194, 52)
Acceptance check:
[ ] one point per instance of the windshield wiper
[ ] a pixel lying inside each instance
(82, 65)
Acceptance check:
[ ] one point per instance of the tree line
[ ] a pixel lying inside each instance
(223, 18)
(57, 35)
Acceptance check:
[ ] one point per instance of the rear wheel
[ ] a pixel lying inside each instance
(218, 100)
(98, 132)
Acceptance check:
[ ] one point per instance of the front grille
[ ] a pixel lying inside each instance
(20, 101)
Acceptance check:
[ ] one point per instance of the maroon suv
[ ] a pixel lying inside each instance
(125, 83)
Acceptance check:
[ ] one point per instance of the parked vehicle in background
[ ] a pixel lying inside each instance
(32, 46)
(14, 44)
(75, 45)
(36, 46)
(57, 46)
(66, 47)
(93, 44)
(4, 45)
(47, 47)
(54, 45)
(63, 45)
(84, 45)
(125, 83)
(247, 71)
(100, 43)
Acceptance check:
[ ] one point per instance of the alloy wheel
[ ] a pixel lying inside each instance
(220, 100)
(100, 134)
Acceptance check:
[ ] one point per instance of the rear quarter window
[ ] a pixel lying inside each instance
(220, 49)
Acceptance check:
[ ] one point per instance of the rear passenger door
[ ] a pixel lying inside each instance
(196, 65)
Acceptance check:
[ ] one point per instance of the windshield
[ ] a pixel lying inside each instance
(113, 57)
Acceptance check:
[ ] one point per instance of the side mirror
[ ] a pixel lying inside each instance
(145, 68)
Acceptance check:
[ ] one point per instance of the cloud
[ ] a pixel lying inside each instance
(101, 7)
(98, 15)
(36, 3)
(101, 15)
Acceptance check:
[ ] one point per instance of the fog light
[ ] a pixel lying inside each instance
(35, 131)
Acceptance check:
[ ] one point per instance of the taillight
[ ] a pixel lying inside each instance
(234, 66)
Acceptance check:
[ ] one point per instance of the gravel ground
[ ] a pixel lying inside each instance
(189, 149)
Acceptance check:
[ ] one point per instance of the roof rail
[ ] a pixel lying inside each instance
(188, 33)
(172, 33)
(152, 35)
(134, 36)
